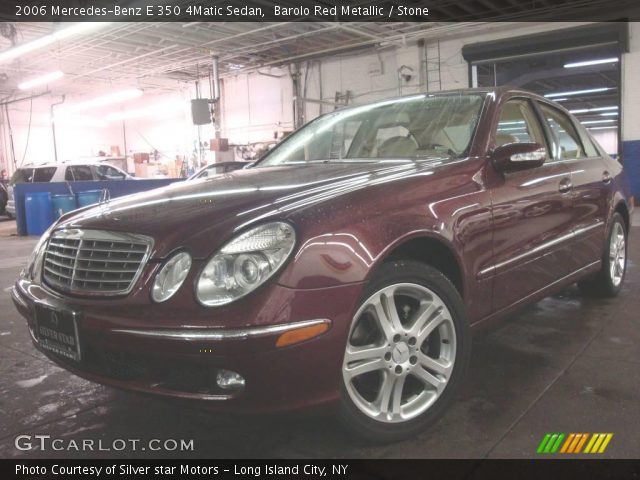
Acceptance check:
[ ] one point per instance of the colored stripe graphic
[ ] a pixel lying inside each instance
(555, 447)
(568, 442)
(598, 442)
(543, 443)
(573, 443)
(581, 442)
(550, 443)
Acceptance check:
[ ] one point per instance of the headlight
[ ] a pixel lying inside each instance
(34, 264)
(170, 277)
(245, 263)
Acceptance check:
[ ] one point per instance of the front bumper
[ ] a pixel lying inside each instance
(178, 357)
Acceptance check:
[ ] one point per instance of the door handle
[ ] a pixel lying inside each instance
(565, 185)
(606, 177)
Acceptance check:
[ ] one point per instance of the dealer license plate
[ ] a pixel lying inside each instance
(57, 331)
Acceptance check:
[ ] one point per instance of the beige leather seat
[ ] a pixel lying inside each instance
(397, 147)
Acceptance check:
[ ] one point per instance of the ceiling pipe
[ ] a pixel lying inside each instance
(215, 78)
(53, 127)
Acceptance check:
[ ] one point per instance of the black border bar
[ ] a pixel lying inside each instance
(313, 10)
(538, 469)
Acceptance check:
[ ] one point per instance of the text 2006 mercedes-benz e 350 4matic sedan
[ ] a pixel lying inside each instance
(348, 266)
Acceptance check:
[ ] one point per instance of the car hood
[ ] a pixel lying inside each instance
(203, 214)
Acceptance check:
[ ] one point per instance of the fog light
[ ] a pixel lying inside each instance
(228, 380)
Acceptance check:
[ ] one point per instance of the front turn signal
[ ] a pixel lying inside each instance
(301, 334)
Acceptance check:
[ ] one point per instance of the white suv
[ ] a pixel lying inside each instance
(61, 172)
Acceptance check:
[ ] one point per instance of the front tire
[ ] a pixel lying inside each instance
(608, 281)
(407, 351)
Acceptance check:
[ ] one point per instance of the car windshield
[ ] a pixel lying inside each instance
(414, 127)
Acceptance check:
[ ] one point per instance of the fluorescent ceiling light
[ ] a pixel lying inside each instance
(591, 62)
(602, 128)
(560, 99)
(44, 79)
(577, 92)
(598, 109)
(589, 122)
(609, 114)
(108, 99)
(42, 42)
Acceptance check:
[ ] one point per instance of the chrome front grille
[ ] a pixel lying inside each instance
(95, 262)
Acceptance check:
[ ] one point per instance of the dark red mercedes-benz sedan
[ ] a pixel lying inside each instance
(348, 266)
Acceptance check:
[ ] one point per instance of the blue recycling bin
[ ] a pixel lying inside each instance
(38, 212)
(89, 197)
(63, 204)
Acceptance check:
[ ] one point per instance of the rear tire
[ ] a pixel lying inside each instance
(609, 280)
(407, 352)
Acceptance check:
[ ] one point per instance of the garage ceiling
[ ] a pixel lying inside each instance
(155, 55)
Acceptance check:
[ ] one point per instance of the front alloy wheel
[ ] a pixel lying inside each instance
(402, 352)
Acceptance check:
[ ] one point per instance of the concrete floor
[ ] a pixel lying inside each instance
(565, 364)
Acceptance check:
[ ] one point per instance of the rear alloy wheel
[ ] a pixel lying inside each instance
(608, 281)
(406, 348)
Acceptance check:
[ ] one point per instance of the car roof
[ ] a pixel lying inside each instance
(69, 163)
(497, 91)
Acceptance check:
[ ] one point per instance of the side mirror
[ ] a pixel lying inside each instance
(514, 157)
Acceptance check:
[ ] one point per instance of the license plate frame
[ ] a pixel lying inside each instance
(57, 331)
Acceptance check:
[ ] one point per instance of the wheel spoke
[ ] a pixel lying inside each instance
(385, 309)
(396, 398)
(385, 393)
(423, 316)
(423, 333)
(440, 366)
(389, 400)
(428, 379)
(355, 354)
(366, 367)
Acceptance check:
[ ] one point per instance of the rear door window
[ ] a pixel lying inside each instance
(44, 174)
(22, 175)
(569, 146)
(80, 173)
(590, 145)
(107, 172)
(518, 123)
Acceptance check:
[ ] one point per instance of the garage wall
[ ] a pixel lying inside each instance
(33, 137)
(254, 104)
(165, 127)
(630, 110)
(169, 130)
